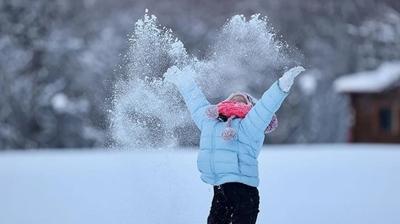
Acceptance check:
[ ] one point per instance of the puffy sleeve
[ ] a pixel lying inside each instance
(259, 117)
(194, 98)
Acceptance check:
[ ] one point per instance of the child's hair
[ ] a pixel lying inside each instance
(250, 99)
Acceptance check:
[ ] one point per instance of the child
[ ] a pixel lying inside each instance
(232, 135)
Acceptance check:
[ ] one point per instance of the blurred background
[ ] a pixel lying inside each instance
(59, 60)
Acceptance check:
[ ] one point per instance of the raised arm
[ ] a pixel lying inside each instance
(258, 118)
(191, 93)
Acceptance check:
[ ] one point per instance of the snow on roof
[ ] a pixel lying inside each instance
(373, 81)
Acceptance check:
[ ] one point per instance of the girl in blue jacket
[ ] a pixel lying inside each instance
(232, 135)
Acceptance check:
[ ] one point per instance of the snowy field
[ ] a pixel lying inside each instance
(319, 184)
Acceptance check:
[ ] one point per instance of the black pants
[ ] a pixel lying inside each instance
(234, 203)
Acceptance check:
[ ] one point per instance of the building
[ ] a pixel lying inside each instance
(375, 102)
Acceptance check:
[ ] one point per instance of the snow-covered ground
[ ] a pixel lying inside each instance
(319, 184)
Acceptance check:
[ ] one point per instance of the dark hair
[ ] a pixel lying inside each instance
(222, 118)
(250, 99)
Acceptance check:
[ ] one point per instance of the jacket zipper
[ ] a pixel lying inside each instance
(213, 150)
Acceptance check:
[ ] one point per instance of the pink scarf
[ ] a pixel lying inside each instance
(232, 109)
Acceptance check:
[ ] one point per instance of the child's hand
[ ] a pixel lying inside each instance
(287, 79)
(172, 75)
(180, 77)
(294, 72)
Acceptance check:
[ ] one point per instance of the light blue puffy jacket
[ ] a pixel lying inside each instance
(220, 161)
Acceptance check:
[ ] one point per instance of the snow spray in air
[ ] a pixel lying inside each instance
(148, 112)
(246, 55)
(146, 109)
